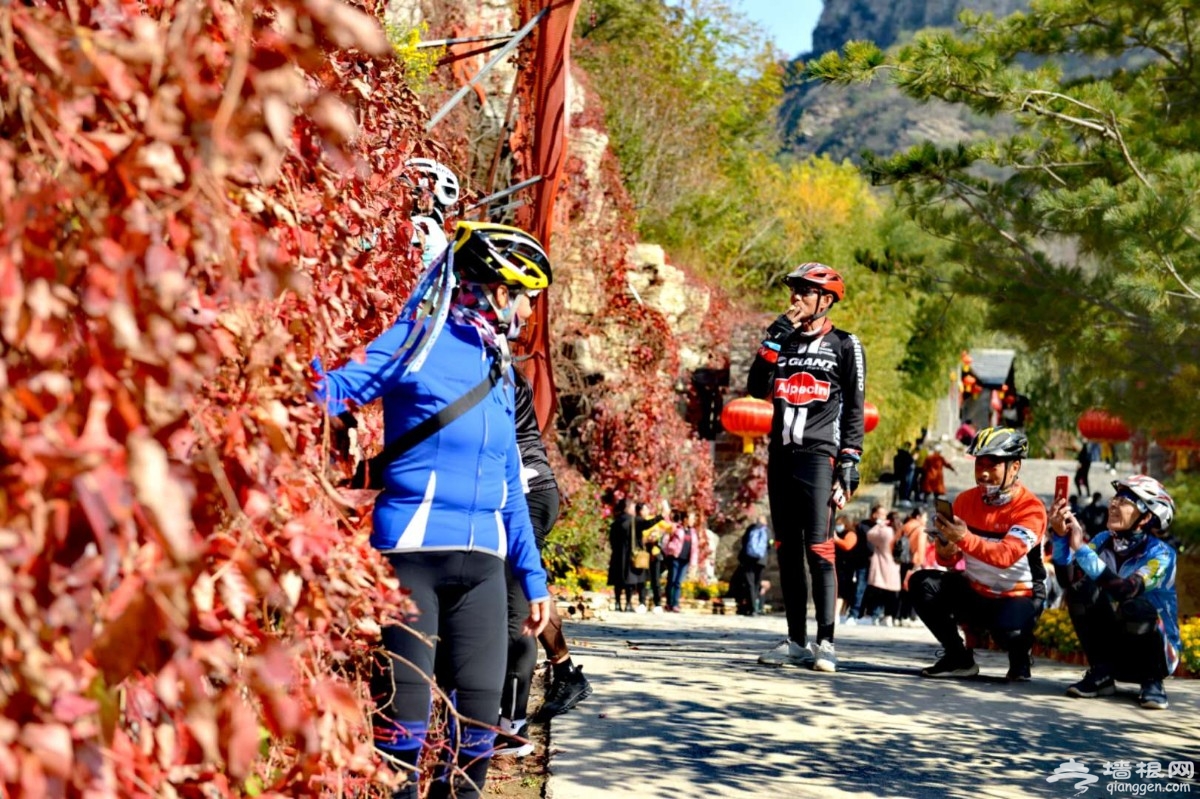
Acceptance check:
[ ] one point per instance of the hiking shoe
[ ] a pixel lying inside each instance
(824, 657)
(1020, 667)
(1153, 695)
(1094, 683)
(952, 666)
(787, 653)
(511, 746)
(564, 694)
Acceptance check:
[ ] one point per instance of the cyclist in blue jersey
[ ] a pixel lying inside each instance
(451, 511)
(1120, 591)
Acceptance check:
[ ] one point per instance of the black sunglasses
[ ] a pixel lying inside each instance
(803, 289)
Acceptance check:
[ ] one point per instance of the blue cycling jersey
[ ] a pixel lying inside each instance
(1153, 562)
(459, 489)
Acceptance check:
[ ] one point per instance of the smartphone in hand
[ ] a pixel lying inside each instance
(1062, 485)
(945, 509)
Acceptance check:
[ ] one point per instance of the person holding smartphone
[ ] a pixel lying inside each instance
(996, 529)
(815, 376)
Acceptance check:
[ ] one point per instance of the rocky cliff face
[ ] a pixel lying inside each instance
(888, 22)
(842, 122)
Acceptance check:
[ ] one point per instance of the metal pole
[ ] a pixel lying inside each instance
(513, 189)
(502, 208)
(491, 37)
(496, 59)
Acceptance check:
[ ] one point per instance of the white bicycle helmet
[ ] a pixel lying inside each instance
(1155, 498)
(437, 178)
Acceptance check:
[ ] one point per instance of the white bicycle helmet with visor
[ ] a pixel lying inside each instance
(1150, 497)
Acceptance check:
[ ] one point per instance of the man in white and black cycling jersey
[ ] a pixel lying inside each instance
(815, 376)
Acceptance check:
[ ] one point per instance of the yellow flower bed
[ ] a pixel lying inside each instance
(1055, 631)
(1190, 632)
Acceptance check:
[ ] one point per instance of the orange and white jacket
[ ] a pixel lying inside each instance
(1002, 552)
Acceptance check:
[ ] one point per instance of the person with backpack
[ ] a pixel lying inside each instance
(858, 561)
(451, 512)
(815, 375)
(752, 559)
(680, 551)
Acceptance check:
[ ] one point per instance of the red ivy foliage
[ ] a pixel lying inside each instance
(197, 199)
(634, 441)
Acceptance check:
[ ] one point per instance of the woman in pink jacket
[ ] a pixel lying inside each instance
(883, 574)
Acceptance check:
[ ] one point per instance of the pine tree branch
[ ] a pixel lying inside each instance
(1170, 264)
(1040, 110)
(965, 194)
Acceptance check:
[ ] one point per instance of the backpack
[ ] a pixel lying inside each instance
(756, 543)
(902, 549)
(672, 542)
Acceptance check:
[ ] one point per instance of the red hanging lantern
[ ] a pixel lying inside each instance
(747, 418)
(870, 417)
(1180, 443)
(1098, 425)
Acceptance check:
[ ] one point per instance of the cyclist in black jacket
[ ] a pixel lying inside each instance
(815, 376)
(569, 686)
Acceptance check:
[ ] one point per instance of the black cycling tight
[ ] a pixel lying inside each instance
(461, 601)
(799, 485)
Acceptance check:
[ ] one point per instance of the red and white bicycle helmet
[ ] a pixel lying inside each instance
(437, 178)
(1152, 494)
(826, 277)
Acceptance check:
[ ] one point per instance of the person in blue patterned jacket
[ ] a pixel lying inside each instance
(1120, 591)
(451, 511)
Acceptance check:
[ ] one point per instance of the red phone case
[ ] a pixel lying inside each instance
(1062, 485)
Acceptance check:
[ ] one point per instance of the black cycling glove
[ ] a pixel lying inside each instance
(847, 474)
(780, 329)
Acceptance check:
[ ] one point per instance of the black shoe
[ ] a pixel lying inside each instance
(1094, 683)
(1020, 667)
(952, 666)
(564, 694)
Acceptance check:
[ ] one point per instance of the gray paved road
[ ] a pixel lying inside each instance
(681, 709)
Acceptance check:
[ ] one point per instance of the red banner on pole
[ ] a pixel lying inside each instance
(544, 100)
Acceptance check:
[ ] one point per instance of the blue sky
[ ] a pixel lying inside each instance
(789, 22)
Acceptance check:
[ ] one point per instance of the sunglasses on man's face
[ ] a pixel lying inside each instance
(802, 290)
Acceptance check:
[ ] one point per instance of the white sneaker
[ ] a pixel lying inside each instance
(825, 657)
(888, 621)
(656, 609)
(787, 653)
(640, 609)
(850, 622)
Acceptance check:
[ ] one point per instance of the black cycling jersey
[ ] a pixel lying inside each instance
(529, 438)
(817, 385)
